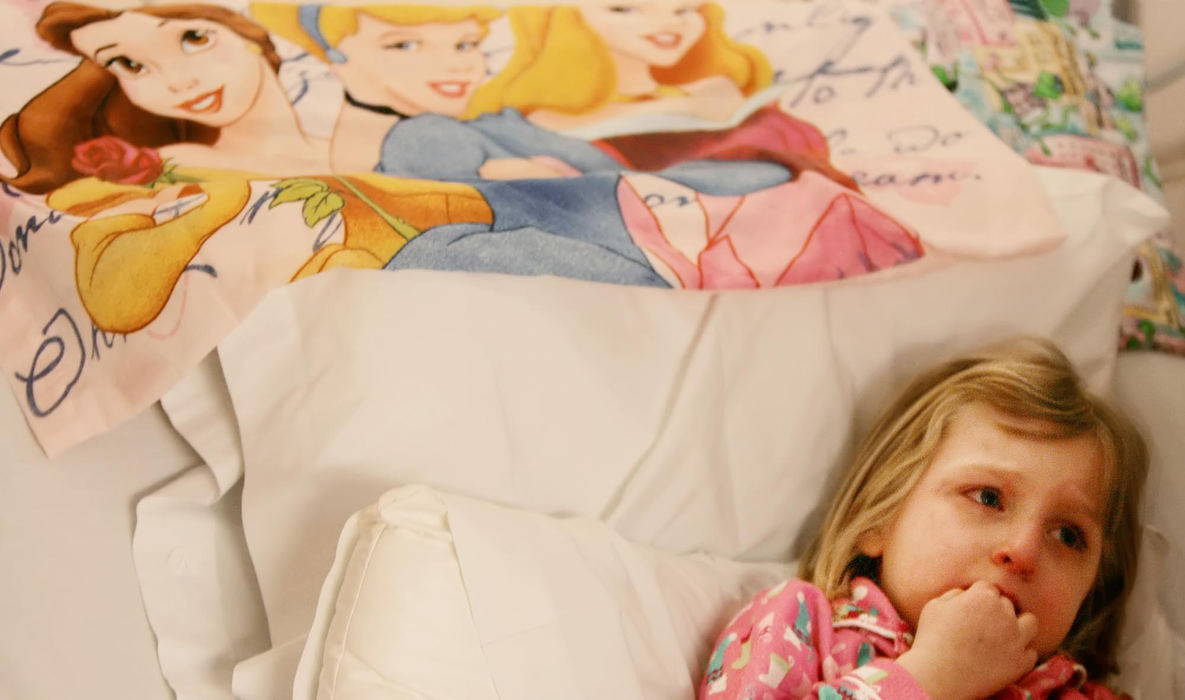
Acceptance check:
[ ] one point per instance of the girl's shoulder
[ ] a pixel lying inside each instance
(792, 598)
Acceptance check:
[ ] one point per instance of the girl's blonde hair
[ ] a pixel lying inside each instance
(560, 64)
(335, 22)
(1025, 378)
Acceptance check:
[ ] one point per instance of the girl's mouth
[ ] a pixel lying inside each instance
(450, 88)
(1011, 597)
(664, 40)
(205, 103)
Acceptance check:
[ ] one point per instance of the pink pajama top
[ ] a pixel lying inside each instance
(792, 642)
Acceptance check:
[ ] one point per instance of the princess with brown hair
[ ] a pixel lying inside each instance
(195, 82)
(182, 102)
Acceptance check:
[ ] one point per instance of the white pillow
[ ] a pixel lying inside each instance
(437, 595)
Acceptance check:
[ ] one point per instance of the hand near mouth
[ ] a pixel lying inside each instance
(970, 643)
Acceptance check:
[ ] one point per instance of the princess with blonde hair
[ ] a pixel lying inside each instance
(576, 65)
(393, 62)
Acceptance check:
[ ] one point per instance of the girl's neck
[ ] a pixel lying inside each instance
(633, 75)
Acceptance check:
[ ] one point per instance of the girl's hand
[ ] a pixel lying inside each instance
(970, 644)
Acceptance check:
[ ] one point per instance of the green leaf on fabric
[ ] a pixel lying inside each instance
(1131, 95)
(321, 206)
(949, 79)
(1048, 86)
(1055, 8)
(297, 189)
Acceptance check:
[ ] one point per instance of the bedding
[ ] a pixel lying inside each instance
(74, 621)
(636, 378)
(513, 604)
(1063, 84)
(141, 228)
(724, 399)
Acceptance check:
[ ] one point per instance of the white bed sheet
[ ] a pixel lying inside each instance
(72, 623)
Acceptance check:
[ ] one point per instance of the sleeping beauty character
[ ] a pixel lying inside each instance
(393, 62)
(188, 96)
(572, 66)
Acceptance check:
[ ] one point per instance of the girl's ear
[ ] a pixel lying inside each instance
(872, 544)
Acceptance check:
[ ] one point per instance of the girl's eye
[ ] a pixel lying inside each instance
(622, 9)
(123, 64)
(466, 45)
(194, 40)
(1072, 537)
(989, 497)
(405, 45)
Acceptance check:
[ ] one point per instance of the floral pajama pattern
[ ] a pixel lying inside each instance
(792, 642)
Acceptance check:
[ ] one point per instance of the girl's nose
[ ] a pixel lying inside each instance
(1019, 550)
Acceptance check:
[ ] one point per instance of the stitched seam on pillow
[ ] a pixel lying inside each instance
(353, 609)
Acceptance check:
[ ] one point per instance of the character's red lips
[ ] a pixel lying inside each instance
(204, 103)
(664, 40)
(450, 88)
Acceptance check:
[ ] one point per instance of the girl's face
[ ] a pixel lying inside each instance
(658, 33)
(996, 504)
(413, 68)
(192, 69)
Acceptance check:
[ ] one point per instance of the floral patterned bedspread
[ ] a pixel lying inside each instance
(1061, 82)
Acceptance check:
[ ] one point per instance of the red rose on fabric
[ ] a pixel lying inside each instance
(112, 159)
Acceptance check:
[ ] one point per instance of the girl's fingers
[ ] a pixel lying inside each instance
(1027, 623)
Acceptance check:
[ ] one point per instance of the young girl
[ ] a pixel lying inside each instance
(981, 545)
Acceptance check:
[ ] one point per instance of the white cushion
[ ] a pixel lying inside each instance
(436, 595)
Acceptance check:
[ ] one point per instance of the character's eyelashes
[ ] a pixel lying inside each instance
(125, 65)
(405, 45)
(622, 9)
(194, 40)
(468, 45)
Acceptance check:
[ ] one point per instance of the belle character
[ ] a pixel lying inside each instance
(195, 82)
(575, 65)
(194, 85)
(393, 62)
